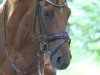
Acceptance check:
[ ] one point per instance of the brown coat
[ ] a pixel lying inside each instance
(22, 44)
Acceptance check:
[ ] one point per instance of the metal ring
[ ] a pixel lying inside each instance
(47, 47)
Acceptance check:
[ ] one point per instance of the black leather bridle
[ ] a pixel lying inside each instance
(43, 39)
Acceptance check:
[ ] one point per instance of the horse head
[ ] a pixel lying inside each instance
(55, 14)
(37, 24)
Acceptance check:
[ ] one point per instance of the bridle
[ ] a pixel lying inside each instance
(43, 40)
(57, 5)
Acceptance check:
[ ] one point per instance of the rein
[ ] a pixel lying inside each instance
(43, 39)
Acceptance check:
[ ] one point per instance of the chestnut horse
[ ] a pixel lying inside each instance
(33, 37)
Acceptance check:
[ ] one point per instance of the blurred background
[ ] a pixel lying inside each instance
(1, 1)
(84, 29)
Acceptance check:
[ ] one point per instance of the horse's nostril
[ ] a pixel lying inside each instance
(59, 60)
(70, 56)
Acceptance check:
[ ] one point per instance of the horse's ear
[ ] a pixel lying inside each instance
(2, 5)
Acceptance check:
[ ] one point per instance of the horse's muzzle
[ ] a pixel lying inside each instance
(60, 62)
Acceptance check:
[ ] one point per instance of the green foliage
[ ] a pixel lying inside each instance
(85, 29)
(1, 1)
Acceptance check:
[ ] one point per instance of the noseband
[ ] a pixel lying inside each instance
(43, 41)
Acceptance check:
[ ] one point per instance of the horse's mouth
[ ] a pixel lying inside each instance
(60, 63)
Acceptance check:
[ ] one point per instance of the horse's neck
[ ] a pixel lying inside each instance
(21, 40)
(20, 21)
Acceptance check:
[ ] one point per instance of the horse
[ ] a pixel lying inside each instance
(33, 37)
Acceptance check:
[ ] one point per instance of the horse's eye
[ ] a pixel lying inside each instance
(48, 14)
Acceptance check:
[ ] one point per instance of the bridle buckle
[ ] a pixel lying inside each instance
(44, 46)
